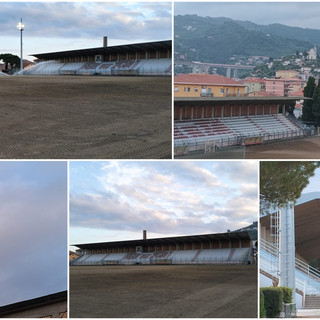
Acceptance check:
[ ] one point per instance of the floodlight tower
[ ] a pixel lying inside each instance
(20, 26)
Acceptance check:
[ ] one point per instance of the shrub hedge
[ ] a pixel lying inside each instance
(273, 299)
(262, 309)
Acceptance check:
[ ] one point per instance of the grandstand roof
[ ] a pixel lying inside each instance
(307, 225)
(241, 99)
(243, 235)
(33, 303)
(147, 46)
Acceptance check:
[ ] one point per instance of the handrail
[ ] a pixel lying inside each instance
(307, 277)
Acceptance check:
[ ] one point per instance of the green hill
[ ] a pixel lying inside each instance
(217, 39)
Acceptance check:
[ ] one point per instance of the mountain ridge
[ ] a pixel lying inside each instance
(218, 39)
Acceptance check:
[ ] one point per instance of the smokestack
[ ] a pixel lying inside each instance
(105, 41)
(144, 234)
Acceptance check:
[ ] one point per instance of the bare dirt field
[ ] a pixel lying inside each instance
(65, 117)
(304, 148)
(175, 291)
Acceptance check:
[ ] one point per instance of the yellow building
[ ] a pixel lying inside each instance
(286, 74)
(206, 85)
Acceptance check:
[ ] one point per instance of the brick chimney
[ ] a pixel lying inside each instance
(105, 41)
(144, 234)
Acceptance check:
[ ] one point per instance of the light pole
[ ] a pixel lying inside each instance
(20, 26)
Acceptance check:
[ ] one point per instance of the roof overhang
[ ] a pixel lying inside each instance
(240, 99)
(307, 225)
(33, 303)
(243, 235)
(147, 46)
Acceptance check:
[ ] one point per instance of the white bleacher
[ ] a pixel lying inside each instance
(52, 68)
(154, 66)
(183, 256)
(242, 126)
(143, 67)
(71, 67)
(88, 68)
(105, 68)
(214, 255)
(201, 130)
(95, 258)
(83, 258)
(240, 254)
(114, 256)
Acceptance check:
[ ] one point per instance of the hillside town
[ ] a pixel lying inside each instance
(281, 77)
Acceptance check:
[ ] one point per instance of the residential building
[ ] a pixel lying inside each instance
(275, 86)
(254, 84)
(205, 85)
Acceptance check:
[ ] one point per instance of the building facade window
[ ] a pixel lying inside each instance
(176, 89)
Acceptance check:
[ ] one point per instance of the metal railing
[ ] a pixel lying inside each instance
(307, 277)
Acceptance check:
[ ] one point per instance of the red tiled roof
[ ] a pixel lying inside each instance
(205, 79)
(253, 79)
(298, 93)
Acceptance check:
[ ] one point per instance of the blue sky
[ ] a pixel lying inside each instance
(116, 200)
(33, 229)
(59, 26)
(314, 183)
(296, 14)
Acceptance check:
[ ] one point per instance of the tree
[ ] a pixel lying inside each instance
(282, 182)
(10, 58)
(290, 108)
(316, 104)
(308, 92)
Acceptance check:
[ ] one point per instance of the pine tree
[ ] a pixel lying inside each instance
(316, 104)
(308, 92)
(282, 182)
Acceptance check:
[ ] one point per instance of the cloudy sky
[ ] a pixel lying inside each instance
(112, 201)
(59, 26)
(297, 14)
(33, 229)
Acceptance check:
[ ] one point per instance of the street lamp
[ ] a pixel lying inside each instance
(20, 26)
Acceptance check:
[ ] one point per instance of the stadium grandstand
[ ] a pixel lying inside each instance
(300, 234)
(210, 123)
(220, 248)
(151, 58)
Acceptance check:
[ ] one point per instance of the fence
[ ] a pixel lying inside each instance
(200, 146)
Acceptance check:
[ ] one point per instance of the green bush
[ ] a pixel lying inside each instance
(287, 294)
(273, 299)
(262, 309)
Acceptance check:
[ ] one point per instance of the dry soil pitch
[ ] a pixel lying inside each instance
(190, 291)
(65, 117)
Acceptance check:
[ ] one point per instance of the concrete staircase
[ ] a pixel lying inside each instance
(312, 301)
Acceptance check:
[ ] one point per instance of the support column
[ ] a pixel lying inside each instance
(287, 249)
